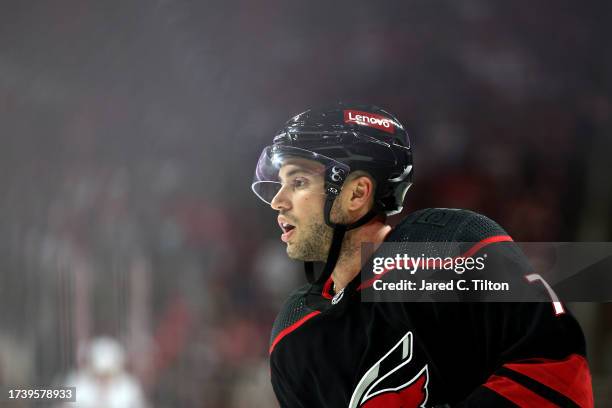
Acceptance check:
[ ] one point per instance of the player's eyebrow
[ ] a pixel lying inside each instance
(299, 170)
(295, 171)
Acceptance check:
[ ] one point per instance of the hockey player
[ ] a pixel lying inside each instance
(334, 175)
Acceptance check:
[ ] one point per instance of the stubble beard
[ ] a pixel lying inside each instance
(313, 244)
(316, 238)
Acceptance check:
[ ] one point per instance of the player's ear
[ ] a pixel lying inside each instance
(362, 191)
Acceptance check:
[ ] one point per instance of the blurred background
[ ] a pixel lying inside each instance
(133, 256)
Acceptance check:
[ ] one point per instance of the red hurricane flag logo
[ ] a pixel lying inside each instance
(374, 391)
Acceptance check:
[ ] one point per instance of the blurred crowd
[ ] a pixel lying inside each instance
(126, 210)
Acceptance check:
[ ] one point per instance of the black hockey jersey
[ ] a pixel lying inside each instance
(411, 354)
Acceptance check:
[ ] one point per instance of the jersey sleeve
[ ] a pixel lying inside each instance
(504, 353)
(284, 393)
(539, 360)
(538, 356)
(285, 380)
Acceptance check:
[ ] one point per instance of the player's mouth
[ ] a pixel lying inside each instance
(288, 229)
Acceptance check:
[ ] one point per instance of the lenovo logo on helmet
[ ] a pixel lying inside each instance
(369, 119)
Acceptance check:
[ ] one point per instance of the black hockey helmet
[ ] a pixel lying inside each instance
(343, 138)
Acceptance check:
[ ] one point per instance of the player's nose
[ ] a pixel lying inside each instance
(281, 200)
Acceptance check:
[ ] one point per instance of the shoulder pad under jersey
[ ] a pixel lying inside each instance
(445, 225)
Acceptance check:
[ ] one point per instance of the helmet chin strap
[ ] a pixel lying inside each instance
(336, 244)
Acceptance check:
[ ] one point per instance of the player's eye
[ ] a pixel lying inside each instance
(299, 182)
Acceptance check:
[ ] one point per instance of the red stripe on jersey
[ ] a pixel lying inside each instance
(291, 328)
(473, 249)
(570, 377)
(371, 281)
(326, 288)
(491, 240)
(521, 396)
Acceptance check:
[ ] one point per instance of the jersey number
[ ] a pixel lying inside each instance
(559, 310)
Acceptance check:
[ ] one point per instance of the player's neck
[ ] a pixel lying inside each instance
(349, 262)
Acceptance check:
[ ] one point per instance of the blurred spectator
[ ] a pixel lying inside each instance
(103, 381)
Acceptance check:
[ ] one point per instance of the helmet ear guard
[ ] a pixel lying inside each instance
(400, 186)
(335, 176)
